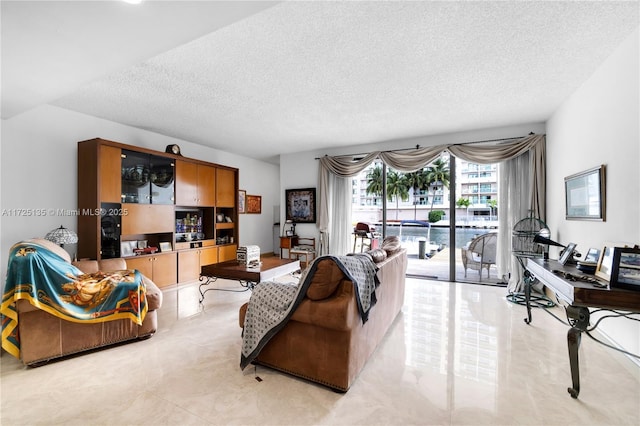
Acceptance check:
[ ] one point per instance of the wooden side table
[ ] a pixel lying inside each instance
(287, 243)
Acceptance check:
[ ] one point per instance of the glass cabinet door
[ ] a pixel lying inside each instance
(162, 180)
(136, 186)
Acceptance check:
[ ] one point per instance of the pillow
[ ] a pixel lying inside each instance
(378, 255)
(325, 280)
(391, 244)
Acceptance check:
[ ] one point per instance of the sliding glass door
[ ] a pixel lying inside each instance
(438, 212)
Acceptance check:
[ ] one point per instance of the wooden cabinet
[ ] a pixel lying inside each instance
(161, 268)
(127, 194)
(147, 219)
(226, 192)
(191, 261)
(110, 182)
(195, 184)
(227, 252)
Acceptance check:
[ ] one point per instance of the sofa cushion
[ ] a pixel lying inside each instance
(154, 294)
(378, 255)
(87, 266)
(325, 280)
(391, 244)
(116, 264)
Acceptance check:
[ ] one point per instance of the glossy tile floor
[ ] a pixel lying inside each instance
(458, 354)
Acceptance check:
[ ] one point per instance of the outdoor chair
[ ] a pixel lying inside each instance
(480, 253)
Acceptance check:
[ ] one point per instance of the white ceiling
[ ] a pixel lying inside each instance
(262, 78)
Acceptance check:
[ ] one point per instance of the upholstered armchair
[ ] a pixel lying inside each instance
(480, 253)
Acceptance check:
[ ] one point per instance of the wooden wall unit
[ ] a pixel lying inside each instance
(108, 217)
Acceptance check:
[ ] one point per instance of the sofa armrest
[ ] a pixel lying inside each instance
(154, 294)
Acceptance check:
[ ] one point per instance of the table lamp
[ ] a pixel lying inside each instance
(62, 236)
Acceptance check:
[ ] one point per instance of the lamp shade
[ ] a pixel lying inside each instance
(62, 236)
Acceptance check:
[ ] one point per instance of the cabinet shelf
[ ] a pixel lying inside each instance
(225, 225)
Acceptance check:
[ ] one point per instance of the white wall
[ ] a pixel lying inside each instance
(39, 171)
(599, 124)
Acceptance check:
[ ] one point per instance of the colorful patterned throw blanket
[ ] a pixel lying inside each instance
(272, 304)
(52, 284)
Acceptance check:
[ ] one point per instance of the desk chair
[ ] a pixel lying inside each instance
(306, 248)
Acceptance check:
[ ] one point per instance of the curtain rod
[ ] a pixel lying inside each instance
(418, 146)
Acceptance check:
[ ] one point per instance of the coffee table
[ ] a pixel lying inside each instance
(269, 268)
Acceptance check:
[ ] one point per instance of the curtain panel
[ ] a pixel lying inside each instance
(414, 159)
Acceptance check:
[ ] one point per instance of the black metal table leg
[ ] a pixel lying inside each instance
(247, 285)
(528, 280)
(208, 281)
(580, 317)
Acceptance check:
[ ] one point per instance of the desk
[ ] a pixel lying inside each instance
(269, 268)
(580, 296)
(288, 243)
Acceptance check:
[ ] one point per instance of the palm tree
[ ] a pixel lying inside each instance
(438, 172)
(493, 204)
(398, 187)
(417, 181)
(374, 181)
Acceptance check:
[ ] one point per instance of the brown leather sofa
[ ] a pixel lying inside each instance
(325, 340)
(44, 337)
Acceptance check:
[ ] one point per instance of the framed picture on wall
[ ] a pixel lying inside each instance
(254, 204)
(585, 195)
(301, 205)
(242, 201)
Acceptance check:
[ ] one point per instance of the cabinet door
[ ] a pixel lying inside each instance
(186, 183)
(227, 252)
(147, 219)
(142, 264)
(208, 256)
(206, 185)
(225, 188)
(165, 269)
(188, 265)
(162, 177)
(109, 178)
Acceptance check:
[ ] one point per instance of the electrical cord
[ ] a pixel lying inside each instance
(616, 314)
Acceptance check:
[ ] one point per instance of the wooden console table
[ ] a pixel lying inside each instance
(580, 296)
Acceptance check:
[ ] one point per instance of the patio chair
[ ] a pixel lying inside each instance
(480, 253)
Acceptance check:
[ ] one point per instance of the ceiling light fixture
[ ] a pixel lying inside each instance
(132, 1)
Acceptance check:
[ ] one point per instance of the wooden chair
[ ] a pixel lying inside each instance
(306, 248)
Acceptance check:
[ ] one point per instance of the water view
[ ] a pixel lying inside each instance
(435, 235)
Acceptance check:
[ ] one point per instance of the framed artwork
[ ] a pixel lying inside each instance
(585, 195)
(126, 248)
(164, 247)
(567, 253)
(605, 261)
(301, 205)
(254, 204)
(625, 270)
(242, 201)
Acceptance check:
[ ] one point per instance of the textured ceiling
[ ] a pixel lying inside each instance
(283, 77)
